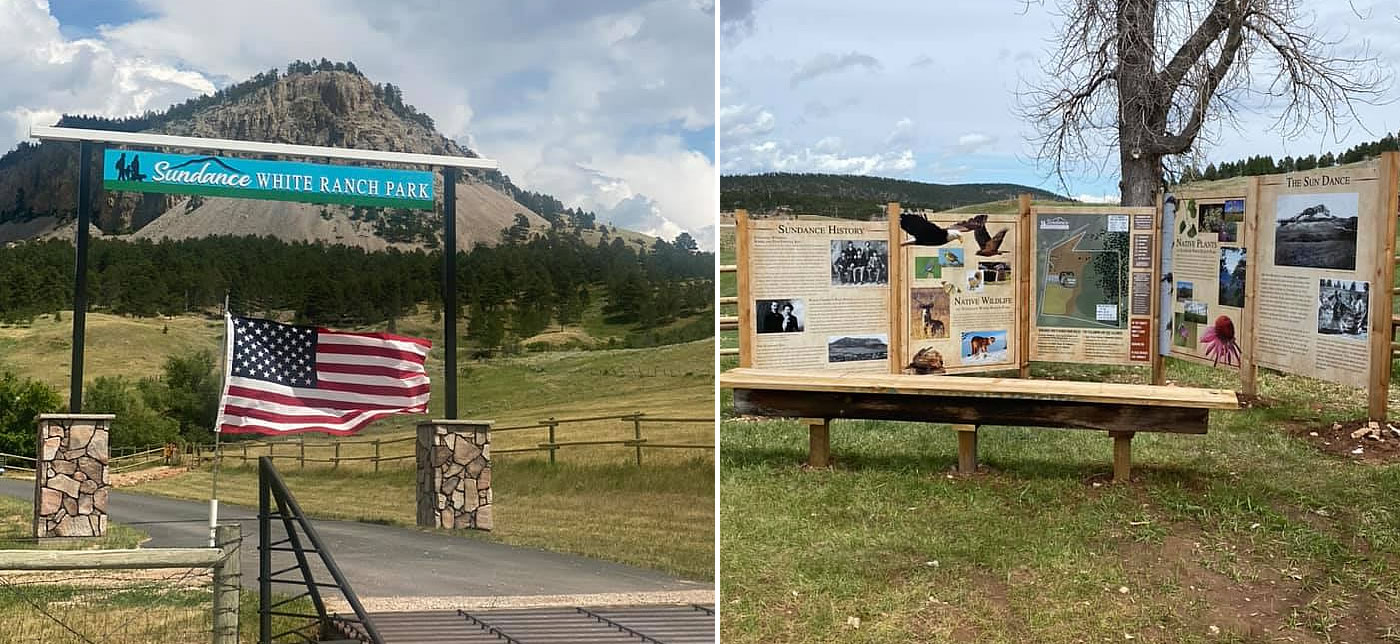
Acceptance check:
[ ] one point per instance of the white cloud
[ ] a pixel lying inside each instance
(832, 63)
(745, 122)
(1113, 199)
(902, 134)
(47, 74)
(827, 155)
(971, 142)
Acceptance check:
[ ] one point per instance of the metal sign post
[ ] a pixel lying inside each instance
(75, 383)
(449, 291)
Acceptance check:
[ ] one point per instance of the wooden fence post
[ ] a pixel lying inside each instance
(967, 448)
(336, 464)
(376, 456)
(301, 458)
(818, 441)
(245, 453)
(228, 580)
(637, 435)
(552, 447)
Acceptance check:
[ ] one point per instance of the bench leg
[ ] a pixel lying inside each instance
(967, 448)
(818, 442)
(1122, 456)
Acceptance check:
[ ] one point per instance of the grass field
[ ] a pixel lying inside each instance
(661, 516)
(1246, 534)
(110, 606)
(596, 501)
(16, 532)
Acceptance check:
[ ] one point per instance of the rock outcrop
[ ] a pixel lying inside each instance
(38, 184)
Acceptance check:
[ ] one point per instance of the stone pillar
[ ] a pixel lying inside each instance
(454, 474)
(71, 479)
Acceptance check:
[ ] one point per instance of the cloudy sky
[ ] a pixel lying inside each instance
(607, 104)
(927, 90)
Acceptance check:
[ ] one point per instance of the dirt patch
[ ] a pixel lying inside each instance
(129, 479)
(1378, 446)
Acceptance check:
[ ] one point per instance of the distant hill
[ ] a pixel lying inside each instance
(857, 196)
(325, 104)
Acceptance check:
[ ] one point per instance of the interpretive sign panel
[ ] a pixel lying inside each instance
(814, 294)
(1322, 235)
(959, 302)
(1087, 264)
(1208, 276)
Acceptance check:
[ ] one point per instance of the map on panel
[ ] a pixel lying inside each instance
(1082, 271)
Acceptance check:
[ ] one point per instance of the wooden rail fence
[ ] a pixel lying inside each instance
(129, 460)
(338, 451)
(728, 322)
(224, 560)
(373, 452)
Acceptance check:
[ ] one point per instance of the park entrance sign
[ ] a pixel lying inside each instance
(217, 176)
(130, 165)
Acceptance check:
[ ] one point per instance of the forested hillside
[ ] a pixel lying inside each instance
(1265, 164)
(511, 291)
(856, 196)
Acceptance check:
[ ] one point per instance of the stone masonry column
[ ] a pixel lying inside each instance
(454, 474)
(71, 478)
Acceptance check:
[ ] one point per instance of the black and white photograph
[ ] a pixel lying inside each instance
(857, 348)
(1343, 308)
(780, 316)
(1316, 230)
(860, 262)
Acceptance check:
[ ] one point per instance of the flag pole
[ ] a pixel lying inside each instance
(225, 347)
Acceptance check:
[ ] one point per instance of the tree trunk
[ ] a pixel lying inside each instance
(1141, 113)
(1142, 177)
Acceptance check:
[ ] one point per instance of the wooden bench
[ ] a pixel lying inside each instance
(967, 402)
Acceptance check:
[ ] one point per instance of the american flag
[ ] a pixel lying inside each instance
(284, 379)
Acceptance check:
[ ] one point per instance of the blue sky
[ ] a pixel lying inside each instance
(927, 90)
(607, 105)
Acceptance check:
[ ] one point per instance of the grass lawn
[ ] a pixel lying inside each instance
(16, 532)
(660, 516)
(115, 345)
(1246, 534)
(594, 502)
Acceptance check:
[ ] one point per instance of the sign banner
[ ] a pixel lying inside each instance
(214, 176)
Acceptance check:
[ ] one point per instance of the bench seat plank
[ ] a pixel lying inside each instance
(969, 410)
(996, 389)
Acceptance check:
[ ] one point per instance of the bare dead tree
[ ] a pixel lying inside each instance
(1152, 77)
